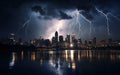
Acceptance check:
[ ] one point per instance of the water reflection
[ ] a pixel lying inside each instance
(22, 55)
(58, 61)
(33, 56)
(13, 59)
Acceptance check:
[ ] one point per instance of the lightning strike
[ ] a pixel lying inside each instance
(25, 25)
(113, 16)
(90, 22)
(107, 20)
(76, 21)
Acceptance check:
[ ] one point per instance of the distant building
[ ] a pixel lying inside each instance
(85, 43)
(53, 40)
(61, 42)
(61, 38)
(72, 37)
(12, 38)
(79, 43)
(68, 39)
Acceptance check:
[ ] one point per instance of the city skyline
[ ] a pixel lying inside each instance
(59, 37)
(60, 42)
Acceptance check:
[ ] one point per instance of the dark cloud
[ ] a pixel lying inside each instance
(38, 9)
(13, 12)
(48, 13)
(55, 6)
(87, 15)
(64, 16)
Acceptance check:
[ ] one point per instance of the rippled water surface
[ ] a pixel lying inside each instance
(65, 62)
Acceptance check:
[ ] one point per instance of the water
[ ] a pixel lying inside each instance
(67, 62)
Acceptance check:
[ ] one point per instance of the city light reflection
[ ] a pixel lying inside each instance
(72, 55)
(66, 55)
(73, 65)
(33, 57)
(12, 62)
(22, 55)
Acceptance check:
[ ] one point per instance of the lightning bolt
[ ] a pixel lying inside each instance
(76, 21)
(90, 22)
(25, 26)
(113, 16)
(107, 20)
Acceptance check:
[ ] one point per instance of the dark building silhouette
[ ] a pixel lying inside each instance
(61, 38)
(47, 42)
(72, 37)
(53, 40)
(56, 36)
(80, 41)
(85, 42)
(68, 39)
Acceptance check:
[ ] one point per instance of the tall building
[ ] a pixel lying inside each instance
(72, 37)
(60, 38)
(53, 40)
(85, 43)
(68, 38)
(56, 36)
(80, 41)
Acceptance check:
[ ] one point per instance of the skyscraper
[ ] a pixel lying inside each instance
(68, 38)
(53, 40)
(56, 36)
(60, 38)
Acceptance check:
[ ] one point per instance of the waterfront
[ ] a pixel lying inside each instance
(66, 62)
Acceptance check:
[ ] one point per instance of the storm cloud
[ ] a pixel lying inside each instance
(14, 13)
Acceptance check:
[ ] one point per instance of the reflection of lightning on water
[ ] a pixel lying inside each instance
(107, 20)
(25, 25)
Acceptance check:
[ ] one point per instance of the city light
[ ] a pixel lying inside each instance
(72, 55)
(71, 45)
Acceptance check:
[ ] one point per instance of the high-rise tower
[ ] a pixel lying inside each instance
(56, 36)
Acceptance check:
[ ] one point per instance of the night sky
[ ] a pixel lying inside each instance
(86, 19)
